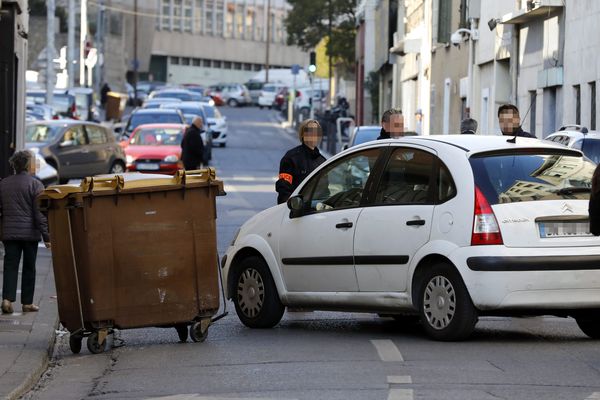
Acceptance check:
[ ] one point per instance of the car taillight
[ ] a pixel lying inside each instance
(485, 226)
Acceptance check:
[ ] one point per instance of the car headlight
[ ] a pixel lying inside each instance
(237, 233)
(171, 158)
(129, 159)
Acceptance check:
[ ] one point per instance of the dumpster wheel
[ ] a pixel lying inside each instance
(94, 345)
(199, 330)
(75, 343)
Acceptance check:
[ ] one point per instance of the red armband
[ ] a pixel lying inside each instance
(286, 177)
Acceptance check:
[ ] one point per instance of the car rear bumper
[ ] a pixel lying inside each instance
(163, 169)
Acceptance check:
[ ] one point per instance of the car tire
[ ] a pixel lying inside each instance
(446, 310)
(232, 103)
(222, 144)
(255, 295)
(117, 168)
(590, 325)
(260, 107)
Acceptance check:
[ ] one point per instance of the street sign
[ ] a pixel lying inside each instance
(135, 64)
(296, 69)
(92, 58)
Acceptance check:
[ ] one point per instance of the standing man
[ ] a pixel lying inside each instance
(300, 161)
(468, 126)
(192, 147)
(392, 124)
(510, 121)
(594, 207)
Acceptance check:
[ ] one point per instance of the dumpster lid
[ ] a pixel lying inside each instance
(135, 181)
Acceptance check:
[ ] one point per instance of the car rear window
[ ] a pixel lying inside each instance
(41, 133)
(532, 175)
(157, 137)
(158, 118)
(589, 147)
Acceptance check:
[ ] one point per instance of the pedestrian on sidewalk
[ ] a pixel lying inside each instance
(468, 126)
(192, 147)
(21, 226)
(510, 121)
(594, 208)
(392, 124)
(300, 161)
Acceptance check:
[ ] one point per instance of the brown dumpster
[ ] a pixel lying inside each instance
(135, 250)
(115, 106)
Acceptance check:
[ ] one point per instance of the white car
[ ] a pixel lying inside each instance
(449, 227)
(268, 93)
(578, 137)
(217, 124)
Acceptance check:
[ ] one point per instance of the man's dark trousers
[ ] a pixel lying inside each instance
(12, 256)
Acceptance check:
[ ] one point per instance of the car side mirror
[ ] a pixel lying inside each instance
(345, 147)
(296, 206)
(118, 129)
(67, 143)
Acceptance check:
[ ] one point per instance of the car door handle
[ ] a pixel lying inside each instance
(344, 225)
(416, 222)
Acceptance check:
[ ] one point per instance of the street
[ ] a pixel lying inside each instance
(321, 355)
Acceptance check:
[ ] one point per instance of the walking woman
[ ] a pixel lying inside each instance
(21, 226)
(594, 209)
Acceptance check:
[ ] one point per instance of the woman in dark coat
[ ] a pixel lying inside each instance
(595, 203)
(21, 226)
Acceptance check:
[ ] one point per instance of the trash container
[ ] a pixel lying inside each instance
(115, 106)
(135, 250)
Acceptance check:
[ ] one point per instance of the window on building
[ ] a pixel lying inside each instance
(187, 15)
(206, 63)
(165, 11)
(260, 23)
(444, 21)
(273, 27)
(279, 29)
(217, 64)
(177, 13)
(257, 67)
(227, 64)
(239, 20)
(196, 62)
(593, 110)
(237, 66)
(463, 23)
(533, 111)
(199, 16)
(577, 89)
(185, 61)
(229, 18)
(175, 60)
(209, 4)
(247, 67)
(219, 16)
(250, 24)
(116, 24)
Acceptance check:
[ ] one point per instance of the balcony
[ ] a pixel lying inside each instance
(536, 10)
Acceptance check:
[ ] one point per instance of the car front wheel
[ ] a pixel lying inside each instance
(232, 103)
(117, 168)
(447, 312)
(255, 295)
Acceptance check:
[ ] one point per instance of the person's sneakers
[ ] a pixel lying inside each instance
(7, 307)
(30, 308)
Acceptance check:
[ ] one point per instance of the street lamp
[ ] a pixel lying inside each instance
(457, 38)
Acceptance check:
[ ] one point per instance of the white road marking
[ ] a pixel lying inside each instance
(400, 394)
(200, 397)
(387, 350)
(399, 380)
(594, 396)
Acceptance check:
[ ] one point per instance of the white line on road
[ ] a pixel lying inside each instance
(400, 394)
(387, 350)
(594, 396)
(399, 380)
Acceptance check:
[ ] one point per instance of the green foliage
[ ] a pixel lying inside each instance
(308, 22)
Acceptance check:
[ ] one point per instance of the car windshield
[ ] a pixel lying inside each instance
(211, 112)
(158, 118)
(269, 88)
(42, 133)
(81, 100)
(157, 137)
(364, 135)
(531, 176)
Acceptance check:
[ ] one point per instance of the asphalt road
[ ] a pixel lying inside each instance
(322, 355)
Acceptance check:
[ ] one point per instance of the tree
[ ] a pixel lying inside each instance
(308, 22)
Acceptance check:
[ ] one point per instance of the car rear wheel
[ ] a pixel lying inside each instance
(255, 295)
(447, 312)
(590, 325)
(232, 103)
(117, 168)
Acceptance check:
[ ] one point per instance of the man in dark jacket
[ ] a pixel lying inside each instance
(392, 124)
(22, 224)
(510, 121)
(594, 208)
(300, 161)
(468, 126)
(192, 147)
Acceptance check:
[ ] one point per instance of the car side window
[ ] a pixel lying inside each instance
(340, 185)
(76, 135)
(95, 135)
(445, 184)
(406, 178)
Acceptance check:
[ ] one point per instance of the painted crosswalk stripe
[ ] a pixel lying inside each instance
(399, 380)
(387, 350)
(400, 394)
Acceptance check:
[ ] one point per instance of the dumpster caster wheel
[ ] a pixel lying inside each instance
(75, 343)
(182, 331)
(94, 345)
(199, 331)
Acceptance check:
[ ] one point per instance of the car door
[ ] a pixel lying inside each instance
(99, 150)
(397, 222)
(73, 153)
(316, 247)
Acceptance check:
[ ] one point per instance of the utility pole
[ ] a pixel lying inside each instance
(135, 53)
(82, 42)
(50, 11)
(71, 44)
(329, 42)
(268, 40)
(100, 45)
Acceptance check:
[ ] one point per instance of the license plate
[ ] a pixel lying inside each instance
(564, 229)
(148, 166)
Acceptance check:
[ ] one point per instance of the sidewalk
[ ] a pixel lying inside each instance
(27, 340)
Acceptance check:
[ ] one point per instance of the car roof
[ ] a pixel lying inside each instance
(576, 134)
(174, 104)
(65, 122)
(155, 111)
(157, 126)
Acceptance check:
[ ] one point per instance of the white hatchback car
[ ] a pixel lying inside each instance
(449, 227)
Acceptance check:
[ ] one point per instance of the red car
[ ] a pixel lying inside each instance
(155, 148)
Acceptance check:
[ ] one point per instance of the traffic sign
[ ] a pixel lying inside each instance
(296, 69)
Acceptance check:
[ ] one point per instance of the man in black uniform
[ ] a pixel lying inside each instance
(300, 161)
(392, 124)
(192, 147)
(510, 121)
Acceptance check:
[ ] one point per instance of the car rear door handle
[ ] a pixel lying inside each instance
(344, 225)
(416, 222)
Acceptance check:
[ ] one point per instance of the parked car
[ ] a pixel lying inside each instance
(46, 173)
(579, 138)
(304, 98)
(142, 94)
(451, 227)
(39, 112)
(268, 94)
(254, 88)
(232, 94)
(63, 104)
(152, 116)
(193, 109)
(281, 99)
(76, 149)
(84, 100)
(217, 124)
(155, 148)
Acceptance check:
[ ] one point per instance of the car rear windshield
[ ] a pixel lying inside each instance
(41, 133)
(162, 118)
(590, 147)
(157, 137)
(532, 175)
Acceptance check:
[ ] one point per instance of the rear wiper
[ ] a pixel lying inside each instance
(574, 189)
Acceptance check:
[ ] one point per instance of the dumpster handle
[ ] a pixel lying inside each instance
(75, 269)
(224, 313)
